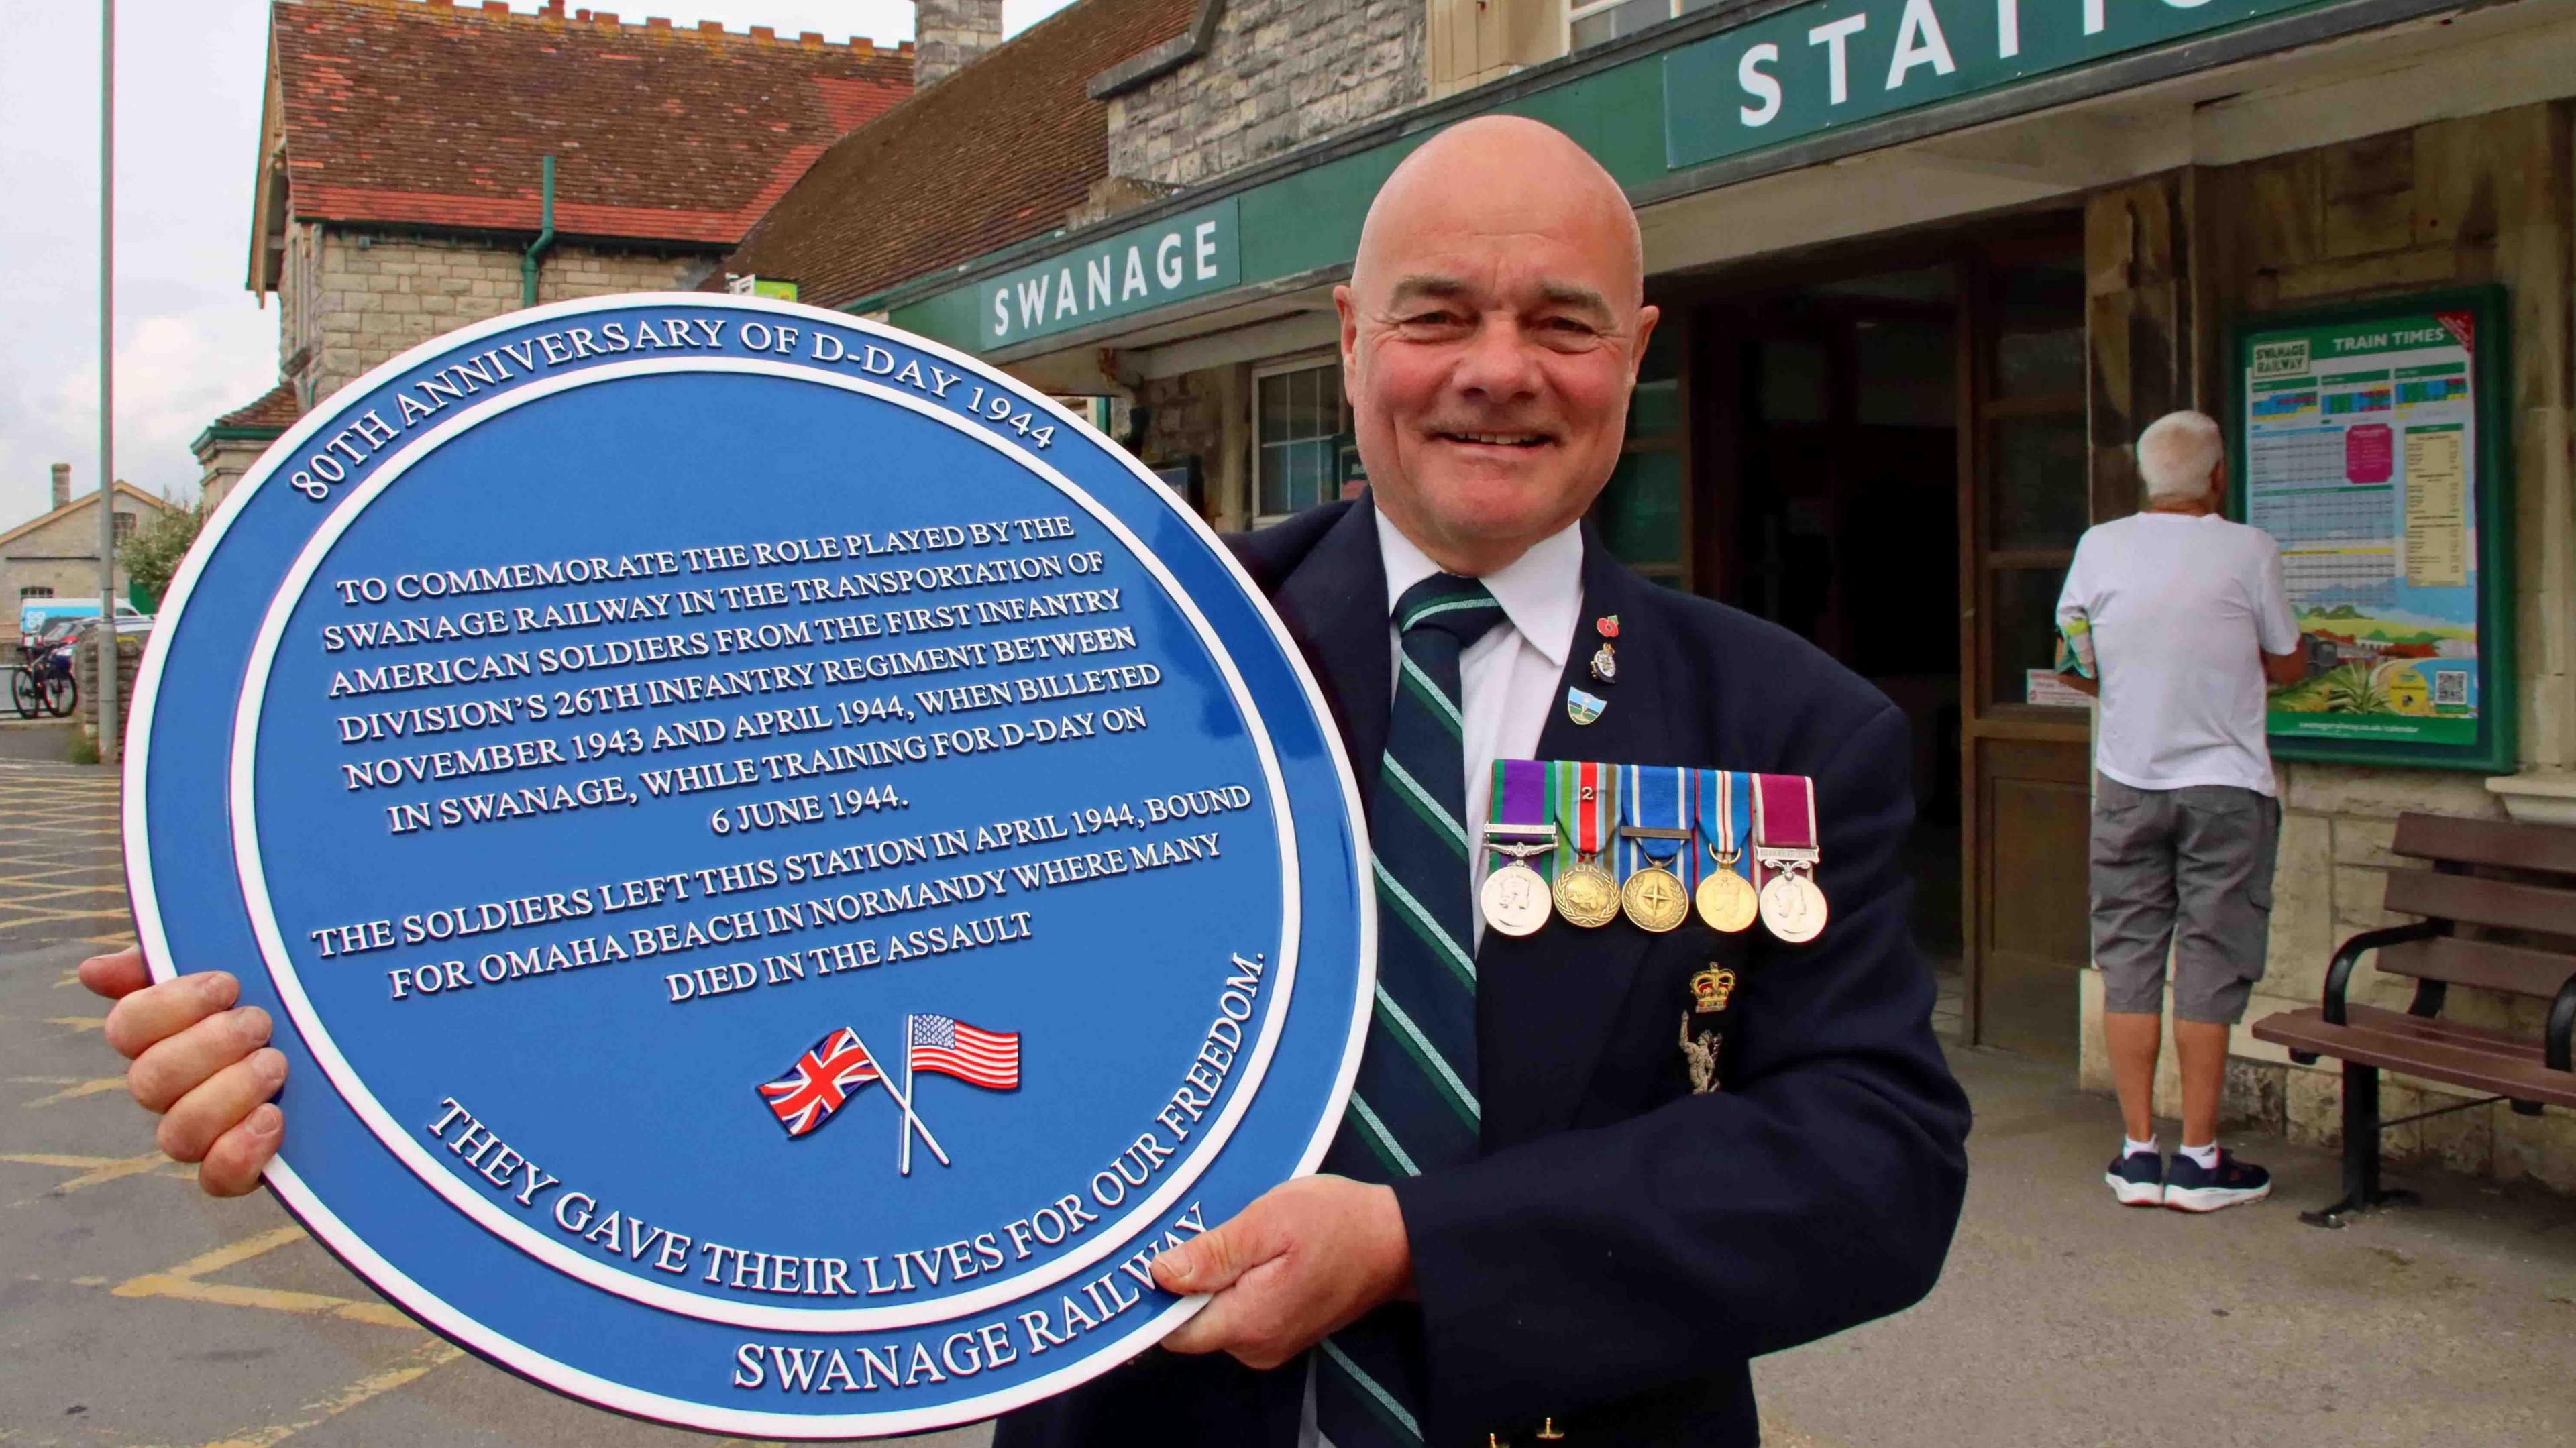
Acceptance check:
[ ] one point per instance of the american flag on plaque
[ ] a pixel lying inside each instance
(945, 1047)
(820, 1081)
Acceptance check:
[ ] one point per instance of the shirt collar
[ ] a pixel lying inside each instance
(1541, 591)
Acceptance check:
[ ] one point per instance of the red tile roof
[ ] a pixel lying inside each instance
(428, 113)
(276, 410)
(994, 154)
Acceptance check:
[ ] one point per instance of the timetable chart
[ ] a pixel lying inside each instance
(2356, 451)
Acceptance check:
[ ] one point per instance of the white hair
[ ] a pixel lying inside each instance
(2178, 452)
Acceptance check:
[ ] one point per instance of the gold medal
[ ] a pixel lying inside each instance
(1726, 901)
(1793, 907)
(1654, 899)
(1515, 899)
(1586, 895)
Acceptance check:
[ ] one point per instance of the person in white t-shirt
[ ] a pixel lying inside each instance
(2184, 619)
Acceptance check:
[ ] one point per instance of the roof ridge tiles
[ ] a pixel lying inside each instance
(553, 16)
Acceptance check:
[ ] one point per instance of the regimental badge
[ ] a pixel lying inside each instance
(1605, 664)
(1583, 708)
(1711, 989)
(1699, 1054)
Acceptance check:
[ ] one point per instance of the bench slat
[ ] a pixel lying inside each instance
(2513, 969)
(2482, 902)
(2486, 842)
(2462, 1055)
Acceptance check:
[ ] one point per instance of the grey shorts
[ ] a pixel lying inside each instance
(2189, 869)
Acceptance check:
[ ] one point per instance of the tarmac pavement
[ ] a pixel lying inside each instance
(135, 1311)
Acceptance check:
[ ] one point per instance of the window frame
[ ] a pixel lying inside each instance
(1579, 10)
(1281, 367)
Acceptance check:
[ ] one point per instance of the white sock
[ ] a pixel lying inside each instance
(2207, 1156)
(2130, 1147)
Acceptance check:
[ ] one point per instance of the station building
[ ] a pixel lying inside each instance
(1926, 268)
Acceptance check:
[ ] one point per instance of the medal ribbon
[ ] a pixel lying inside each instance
(1587, 824)
(1723, 803)
(1523, 801)
(1787, 805)
(1654, 797)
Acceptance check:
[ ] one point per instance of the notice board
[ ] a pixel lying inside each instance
(2371, 441)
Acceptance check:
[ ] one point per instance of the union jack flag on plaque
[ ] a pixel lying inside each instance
(820, 1081)
(937, 1044)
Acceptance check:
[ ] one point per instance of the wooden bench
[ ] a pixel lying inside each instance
(2499, 908)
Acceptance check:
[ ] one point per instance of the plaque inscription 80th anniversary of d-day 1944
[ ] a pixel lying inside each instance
(787, 867)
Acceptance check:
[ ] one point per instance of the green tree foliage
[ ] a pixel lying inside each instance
(151, 556)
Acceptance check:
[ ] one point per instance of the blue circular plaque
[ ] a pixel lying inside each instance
(787, 867)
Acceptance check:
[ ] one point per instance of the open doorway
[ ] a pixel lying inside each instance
(1889, 458)
(1845, 516)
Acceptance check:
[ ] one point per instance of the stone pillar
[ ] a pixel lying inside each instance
(62, 484)
(947, 35)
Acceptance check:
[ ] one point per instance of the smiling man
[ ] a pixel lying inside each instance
(1535, 1223)
(1538, 1220)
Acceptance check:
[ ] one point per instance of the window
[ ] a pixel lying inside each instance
(1590, 22)
(124, 526)
(35, 590)
(1298, 421)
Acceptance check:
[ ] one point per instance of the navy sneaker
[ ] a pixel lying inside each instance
(2191, 1187)
(2138, 1179)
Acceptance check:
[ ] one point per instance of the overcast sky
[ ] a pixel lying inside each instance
(191, 343)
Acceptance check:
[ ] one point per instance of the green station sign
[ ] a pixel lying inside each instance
(1831, 63)
(1172, 260)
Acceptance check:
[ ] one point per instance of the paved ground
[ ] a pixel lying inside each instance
(133, 1311)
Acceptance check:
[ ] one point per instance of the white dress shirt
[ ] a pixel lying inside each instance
(1508, 679)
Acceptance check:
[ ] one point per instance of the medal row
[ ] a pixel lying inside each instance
(1592, 842)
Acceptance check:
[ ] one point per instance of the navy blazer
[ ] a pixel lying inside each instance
(1622, 1247)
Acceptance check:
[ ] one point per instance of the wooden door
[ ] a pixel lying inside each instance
(2025, 767)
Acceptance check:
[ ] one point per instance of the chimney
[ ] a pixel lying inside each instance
(62, 484)
(947, 35)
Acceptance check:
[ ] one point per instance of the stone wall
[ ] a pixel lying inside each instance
(2455, 202)
(350, 300)
(1202, 415)
(129, 660)
(1279, 73)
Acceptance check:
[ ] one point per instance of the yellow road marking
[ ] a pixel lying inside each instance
(181, 1284)
(84, 1023)
(44, 1158)
(80, 1089)
(112, 1171)
(427, 1357)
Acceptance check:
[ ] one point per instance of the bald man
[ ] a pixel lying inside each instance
(1600, 1255)
(1612, 1246)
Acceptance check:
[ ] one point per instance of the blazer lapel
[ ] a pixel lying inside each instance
(1547, 1002)
(1334, 603)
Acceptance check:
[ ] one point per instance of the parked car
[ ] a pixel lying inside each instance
(35, 613)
